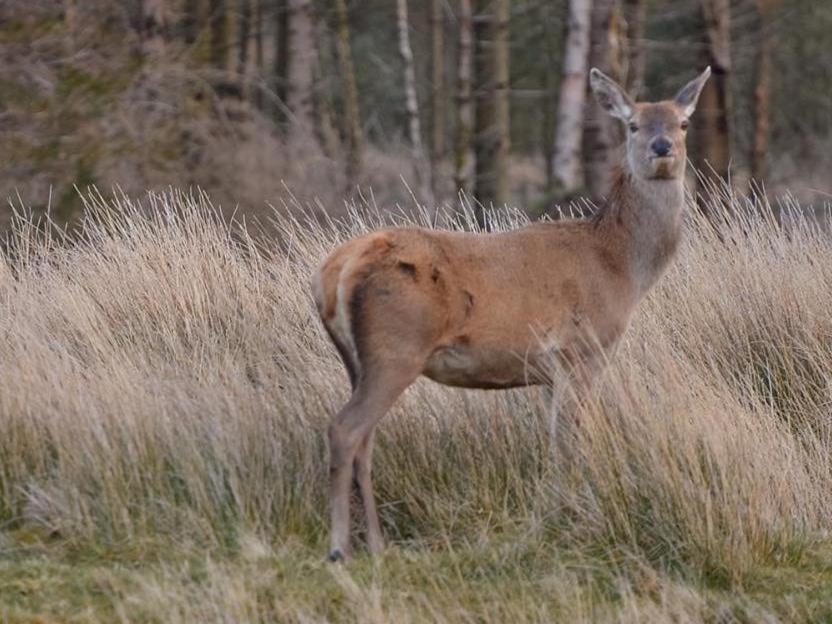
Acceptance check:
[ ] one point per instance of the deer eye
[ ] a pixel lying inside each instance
(684, 124)
(633, 127)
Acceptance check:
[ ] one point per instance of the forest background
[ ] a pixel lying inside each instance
(328, 101)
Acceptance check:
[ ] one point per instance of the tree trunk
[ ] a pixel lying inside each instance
(301, 65)
(258, 53)
(328, 136)
(437, 24)
(714, 110)
(281, 59)
(258, 34)
(243, 39)
(762, 87)
(601, 132)
(352, 119)
(414, 131)
(549, 19)
(635, 16)
(218, 23)
(491, 139)
(191, 21)
(567, 161)
(464, 156)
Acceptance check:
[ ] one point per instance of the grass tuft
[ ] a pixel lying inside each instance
(165, 386)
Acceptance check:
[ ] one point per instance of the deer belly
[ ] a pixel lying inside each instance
(468, 367)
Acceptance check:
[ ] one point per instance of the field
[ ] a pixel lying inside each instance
(165, 386)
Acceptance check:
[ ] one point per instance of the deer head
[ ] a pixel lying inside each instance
(655, 130)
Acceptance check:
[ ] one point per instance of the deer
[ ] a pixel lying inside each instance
(489, 310)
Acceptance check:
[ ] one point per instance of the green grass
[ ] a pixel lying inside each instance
(503, 580)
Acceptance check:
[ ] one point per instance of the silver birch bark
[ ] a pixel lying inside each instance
(464, 156)
(567, 162)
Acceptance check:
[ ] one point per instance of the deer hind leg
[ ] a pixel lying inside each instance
(350, 444)
(362, 467)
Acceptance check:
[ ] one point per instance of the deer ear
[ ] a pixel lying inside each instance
(689, 94)
(610, 96)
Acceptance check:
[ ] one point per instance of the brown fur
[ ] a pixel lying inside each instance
(492, 310)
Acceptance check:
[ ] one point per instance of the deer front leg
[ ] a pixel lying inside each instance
(562, 419)
(566, 395)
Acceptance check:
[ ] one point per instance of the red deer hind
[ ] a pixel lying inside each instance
(490, 310)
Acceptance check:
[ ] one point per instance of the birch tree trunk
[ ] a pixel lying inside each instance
(464, 156)
(352, 117)
(567, 162)
(714, 110)
(411, 102)
(414, 131)
(491, 139)
(601, 136)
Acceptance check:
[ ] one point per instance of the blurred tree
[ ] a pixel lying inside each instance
(258, 51)
(464, 156)
(190, 22)
(491, 73)
(762, 88)
(243, 38)
(352, 119)
(601, 136)
(438, 96)
(414, 132)
(552, 32)
(301, 64)
(218, 22)
(281, 58)
(567, 160)
(714, 110)
(635, 18)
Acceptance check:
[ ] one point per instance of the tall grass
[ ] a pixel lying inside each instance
(164, 378)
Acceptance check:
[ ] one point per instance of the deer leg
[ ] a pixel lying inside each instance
(564, 423)
(363, 468)
(341, 447)
(561, 417)
(566, 399)
(374, 394)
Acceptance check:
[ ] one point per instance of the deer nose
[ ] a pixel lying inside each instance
(661, 146)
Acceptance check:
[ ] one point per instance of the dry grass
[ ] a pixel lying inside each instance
(165, 385)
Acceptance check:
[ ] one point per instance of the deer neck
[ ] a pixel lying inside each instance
(643, 219)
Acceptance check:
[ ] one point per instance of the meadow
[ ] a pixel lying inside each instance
(165, 387)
